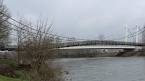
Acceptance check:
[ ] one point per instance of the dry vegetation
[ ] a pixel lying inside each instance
(35, 47)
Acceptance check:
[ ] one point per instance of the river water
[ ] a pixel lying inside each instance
(105, 68)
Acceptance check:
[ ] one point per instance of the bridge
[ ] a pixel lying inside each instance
(101, 44)
(86, 44)
(103, 47)
(100, 48)
(94, 44)
(71, 45)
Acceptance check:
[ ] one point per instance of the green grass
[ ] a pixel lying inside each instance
(4, 78)
(12, 63)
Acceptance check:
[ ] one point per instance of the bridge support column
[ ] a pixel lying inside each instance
(137, 35)
(126, 33)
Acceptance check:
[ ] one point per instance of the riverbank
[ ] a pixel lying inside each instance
(4, 78)
(9, 71)
(96, 53)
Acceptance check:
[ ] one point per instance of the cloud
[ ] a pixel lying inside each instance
(84, 18)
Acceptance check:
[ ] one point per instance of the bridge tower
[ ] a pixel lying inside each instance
(137, 34)
(126, 33)
(143, 35)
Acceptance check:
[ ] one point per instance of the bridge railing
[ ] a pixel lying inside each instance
(102, 42)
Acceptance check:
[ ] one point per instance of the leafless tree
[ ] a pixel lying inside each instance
(35, 48)
(4, 25)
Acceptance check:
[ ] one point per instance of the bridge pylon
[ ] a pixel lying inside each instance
(137, 34)
(126, 33)
(143, 35)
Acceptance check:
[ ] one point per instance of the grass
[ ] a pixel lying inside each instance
(12, 63)
(4, 78)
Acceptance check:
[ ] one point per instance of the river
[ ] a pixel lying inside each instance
(104, 68)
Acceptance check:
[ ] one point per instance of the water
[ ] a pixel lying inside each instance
(105, 68)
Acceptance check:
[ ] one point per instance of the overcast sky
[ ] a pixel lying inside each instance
(83, 18)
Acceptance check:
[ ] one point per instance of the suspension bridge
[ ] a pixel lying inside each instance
(68, 43)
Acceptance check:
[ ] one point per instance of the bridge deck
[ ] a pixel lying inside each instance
(103, 47)
(99, 42)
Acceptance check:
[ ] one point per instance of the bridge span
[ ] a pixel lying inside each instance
(103, 47)
(101, 44)
(93, 44)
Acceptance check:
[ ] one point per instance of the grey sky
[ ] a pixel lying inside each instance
(83, 18)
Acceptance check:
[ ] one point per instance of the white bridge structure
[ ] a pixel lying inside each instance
(104, 44)
(103, 47)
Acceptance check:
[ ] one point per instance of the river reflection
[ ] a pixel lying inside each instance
(105, 68)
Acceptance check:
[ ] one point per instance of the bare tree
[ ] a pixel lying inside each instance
(4, 25)
(36, 47)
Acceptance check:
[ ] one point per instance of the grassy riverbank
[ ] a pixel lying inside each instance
(11, 63)
(4, 78)
(9, 71)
